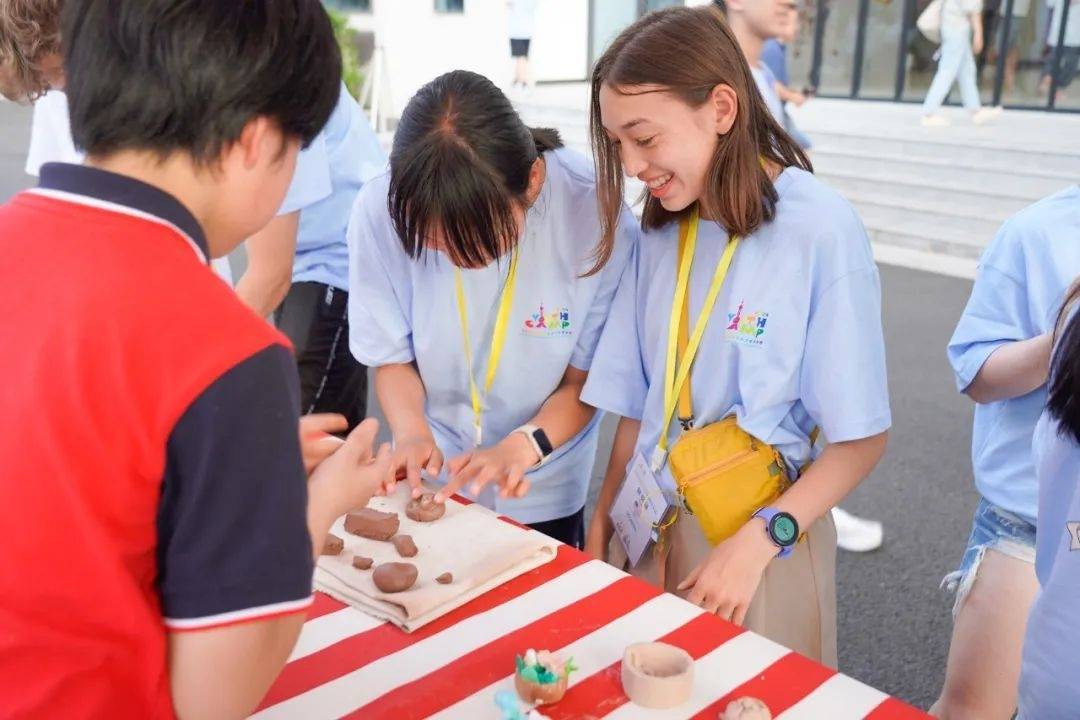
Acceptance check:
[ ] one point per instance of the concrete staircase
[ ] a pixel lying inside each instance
(930, 198)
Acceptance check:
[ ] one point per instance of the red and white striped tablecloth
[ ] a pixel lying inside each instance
(347, 664)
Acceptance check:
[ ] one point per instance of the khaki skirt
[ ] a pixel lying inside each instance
(795, 604)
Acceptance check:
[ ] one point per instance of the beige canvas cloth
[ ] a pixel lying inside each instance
(795, 604)
(469, 541)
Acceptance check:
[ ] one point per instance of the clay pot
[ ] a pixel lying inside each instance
(657, 675)
(537, 694)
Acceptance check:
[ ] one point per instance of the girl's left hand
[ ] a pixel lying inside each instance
(725, 582)
(504, 464)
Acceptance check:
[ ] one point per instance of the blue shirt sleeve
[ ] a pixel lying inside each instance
(312, 182)
(626, 237)
(380, 284)
(232, 520)
(843, 383)
(617, 380)
(997, 312)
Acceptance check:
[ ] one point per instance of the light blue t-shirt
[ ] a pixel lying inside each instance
(403, 310)
(1023, 277)
(329, 174)
(794, 340)
(1050, 672)
(766, 84)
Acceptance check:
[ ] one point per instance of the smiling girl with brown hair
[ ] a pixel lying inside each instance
(758, 277)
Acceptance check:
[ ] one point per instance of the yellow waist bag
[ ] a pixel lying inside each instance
(723, 474)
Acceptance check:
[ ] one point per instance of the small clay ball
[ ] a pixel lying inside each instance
(395, 577)
(404, 545)
(362, 563)
(425, 509)
(372, 524)
(333, 545)
(445, 579)
(746, 708)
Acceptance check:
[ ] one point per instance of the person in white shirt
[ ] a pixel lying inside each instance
(522, 23)
(961, 41)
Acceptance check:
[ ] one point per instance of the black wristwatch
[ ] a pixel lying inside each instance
(539, 440)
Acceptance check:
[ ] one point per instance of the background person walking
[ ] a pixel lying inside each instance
(961, 41)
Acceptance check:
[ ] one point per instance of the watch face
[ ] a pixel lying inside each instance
(783, 529)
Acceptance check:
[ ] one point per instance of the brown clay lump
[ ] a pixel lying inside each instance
(395, 577)
(362, 563)
(445, 579)
(404, 545)
(372, 524)
(333, 545)
(425, 509)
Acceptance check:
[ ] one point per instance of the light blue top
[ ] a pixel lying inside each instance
(403, 310)
(1023, 277)
(1050, 673)
(794, 341)
(766, 85)
(329, 174)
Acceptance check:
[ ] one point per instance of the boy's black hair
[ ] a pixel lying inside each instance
(460, 161)
(188, 75)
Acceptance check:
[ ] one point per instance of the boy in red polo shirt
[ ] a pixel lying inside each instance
(159, 530)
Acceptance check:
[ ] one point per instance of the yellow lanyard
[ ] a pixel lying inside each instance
(498, 340)
(674, 379)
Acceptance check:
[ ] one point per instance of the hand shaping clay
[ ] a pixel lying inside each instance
(372, 524)
(445, 579)
(395, 577)
(657, 675)
(746, 708)
(425, 509)
(333, 545)
(362, 563)
(404, 545)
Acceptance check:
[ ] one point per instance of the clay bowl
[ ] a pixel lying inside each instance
(537, 694)
(657, 675)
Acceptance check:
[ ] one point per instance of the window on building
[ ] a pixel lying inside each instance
(363, 6)
(450, 6)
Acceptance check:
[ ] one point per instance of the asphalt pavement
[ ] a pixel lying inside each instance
(894, 621)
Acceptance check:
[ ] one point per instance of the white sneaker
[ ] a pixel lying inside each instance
(935, 121)
(986, 114)
(855, 534)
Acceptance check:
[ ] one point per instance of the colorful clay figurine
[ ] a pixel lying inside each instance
(541, 677)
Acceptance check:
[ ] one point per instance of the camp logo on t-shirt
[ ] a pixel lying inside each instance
(747, 328)
(548, 324)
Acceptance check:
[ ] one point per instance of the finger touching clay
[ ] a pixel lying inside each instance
(395, 577)
(372, 524)
(425, 509)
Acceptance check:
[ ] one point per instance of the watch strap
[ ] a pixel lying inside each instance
(538, 439)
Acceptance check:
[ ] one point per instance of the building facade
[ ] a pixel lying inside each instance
(861, 49)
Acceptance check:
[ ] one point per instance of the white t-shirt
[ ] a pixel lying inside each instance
(50, 134)
(522, 18)
(956, 14)
(403, 310)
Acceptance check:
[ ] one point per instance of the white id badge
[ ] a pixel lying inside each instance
(640, 507)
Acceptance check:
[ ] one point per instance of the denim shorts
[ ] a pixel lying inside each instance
(992, 529)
